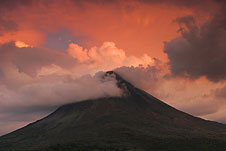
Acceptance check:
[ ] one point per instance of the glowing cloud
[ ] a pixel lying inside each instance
(106, 57)
(21, 44)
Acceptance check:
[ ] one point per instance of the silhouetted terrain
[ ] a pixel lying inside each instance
(135, 122)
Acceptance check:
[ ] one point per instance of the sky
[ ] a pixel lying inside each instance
(55, 52)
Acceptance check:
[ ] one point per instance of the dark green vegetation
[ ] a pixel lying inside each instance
(135, 122)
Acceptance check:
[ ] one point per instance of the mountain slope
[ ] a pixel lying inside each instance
(136, 121)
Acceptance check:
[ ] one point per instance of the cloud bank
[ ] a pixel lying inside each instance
(37, 80)
(177, 91)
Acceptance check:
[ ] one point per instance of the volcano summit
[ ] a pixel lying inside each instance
(135, 121)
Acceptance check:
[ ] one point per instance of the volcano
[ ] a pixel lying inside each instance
(135, 121)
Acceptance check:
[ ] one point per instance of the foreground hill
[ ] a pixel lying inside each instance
(136, 122)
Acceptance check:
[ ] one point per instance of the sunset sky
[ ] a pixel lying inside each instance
(54, 52)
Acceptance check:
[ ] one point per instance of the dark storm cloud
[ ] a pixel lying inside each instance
(188, 20)
(200, 51)
(29, 60)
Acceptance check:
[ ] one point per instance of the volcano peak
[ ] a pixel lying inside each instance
(138, 121)
(121, 82)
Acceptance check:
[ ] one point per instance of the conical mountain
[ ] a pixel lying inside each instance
(135, 121)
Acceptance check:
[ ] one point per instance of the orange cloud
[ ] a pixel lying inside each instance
(28, 36)
(106, 57)
(21, 44)
(136, 27)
